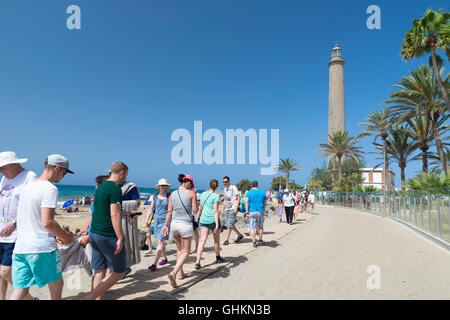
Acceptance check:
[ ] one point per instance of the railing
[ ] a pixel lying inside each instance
(427, 212)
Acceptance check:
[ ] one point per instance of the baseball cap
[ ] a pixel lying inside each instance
(58, 160)
(187, 176)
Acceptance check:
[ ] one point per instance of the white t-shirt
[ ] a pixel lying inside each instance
(10, 191)
(311, 198)
(288, 200)
(230, 195)
(32, 237)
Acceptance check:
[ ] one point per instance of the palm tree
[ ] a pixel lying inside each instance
(436, 165)
(377, 124)
(340, 146)
(419, 95)
(422, 132)
(427, 182)
(287, 165)
(429, 33)
(400, 147)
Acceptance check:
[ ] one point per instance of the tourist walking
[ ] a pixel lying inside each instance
(311, 201)
(208, 216)
(158, 212)
(106, 236)
(255, 205)
(36, 259)
(288, 205)
(280, 209)
(231, 203)
(179, 214)
(15, 177)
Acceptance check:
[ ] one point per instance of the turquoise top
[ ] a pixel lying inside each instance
(207, 201)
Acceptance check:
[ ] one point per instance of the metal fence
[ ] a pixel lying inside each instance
(427, 212)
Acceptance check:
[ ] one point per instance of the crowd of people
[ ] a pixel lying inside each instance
(31, 240)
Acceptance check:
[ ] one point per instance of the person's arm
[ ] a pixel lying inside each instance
(86, 226)
(150, 213)
(116, 220)
(194, 201)
(246, 206)
(168, 216)
(49, 223)
(199, 213)
(265, 203)
(238, 198)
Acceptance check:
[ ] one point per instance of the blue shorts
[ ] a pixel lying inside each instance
(103, 254)
(256, 218)
(6, 252)
(29, 269)
(210, 226)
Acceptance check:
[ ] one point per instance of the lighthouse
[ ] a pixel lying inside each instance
(336, 101)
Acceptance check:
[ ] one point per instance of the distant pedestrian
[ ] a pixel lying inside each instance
(208, 215)
(311, 201)
(15, 178)
(289, 205)
(231, 203)
(255, 206)
(280, 209)
(158, 212)
(36, 259)
(181, 205)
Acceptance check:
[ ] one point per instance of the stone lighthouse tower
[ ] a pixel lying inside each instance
(336, 102)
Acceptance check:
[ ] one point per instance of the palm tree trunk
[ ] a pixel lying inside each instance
(387, 176)
(440, 149)
(287, 180)
(402, 173)
(438, 76)
(340, 168)
(424, 159)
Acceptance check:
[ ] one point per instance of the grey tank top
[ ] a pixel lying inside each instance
(179, 213)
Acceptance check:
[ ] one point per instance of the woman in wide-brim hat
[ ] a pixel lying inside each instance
(158, 212)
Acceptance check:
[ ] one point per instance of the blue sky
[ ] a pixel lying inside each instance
(138, 70)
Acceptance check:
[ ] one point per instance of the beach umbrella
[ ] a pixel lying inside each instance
(67, 204)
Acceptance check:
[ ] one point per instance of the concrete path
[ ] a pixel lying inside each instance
(328, 258)
(324, 256)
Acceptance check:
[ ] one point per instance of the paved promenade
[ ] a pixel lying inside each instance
(323, 256)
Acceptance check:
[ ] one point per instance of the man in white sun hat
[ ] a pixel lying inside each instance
(36, 259)
(15, 177)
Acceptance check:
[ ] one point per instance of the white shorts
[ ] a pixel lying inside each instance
(182, 228)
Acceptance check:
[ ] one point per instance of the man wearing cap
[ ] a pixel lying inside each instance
(255, 205)
(15, 177)
(36, 259)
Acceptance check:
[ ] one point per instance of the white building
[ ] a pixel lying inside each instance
(375, 177)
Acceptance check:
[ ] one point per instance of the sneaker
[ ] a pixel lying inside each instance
(163, 262)
(239, 239)
(152, 267)
(198, 266)
(220, 260)
(226, 243)
(260, 242)
(126, 273)
(255, 245)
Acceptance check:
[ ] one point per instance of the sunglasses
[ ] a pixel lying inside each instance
(226, 181)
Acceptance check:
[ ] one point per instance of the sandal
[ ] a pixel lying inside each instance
(239, 238)
(182, 276)
(152, 267)
(172, 280)
(226, 243)
(163, 262)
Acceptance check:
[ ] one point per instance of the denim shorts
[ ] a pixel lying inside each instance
(6, 252)
(210, 226)
(256, 218)
(103, 254)
(36, 268)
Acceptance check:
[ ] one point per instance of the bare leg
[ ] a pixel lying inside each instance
(104, 285)
(217, 243)
(181, 258)
(201, 245)
(261, 232)
(228, 234)
(5, 279)
(55, 289)
(99, 275)
(196, 239)
(20, 294)
(236, 230)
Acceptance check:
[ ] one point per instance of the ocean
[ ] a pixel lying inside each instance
(68, 192)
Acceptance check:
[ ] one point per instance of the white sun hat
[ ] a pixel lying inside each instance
(286, 190)
(9, 157)
(162, 182)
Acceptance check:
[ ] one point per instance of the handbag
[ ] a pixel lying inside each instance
(194, 223)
